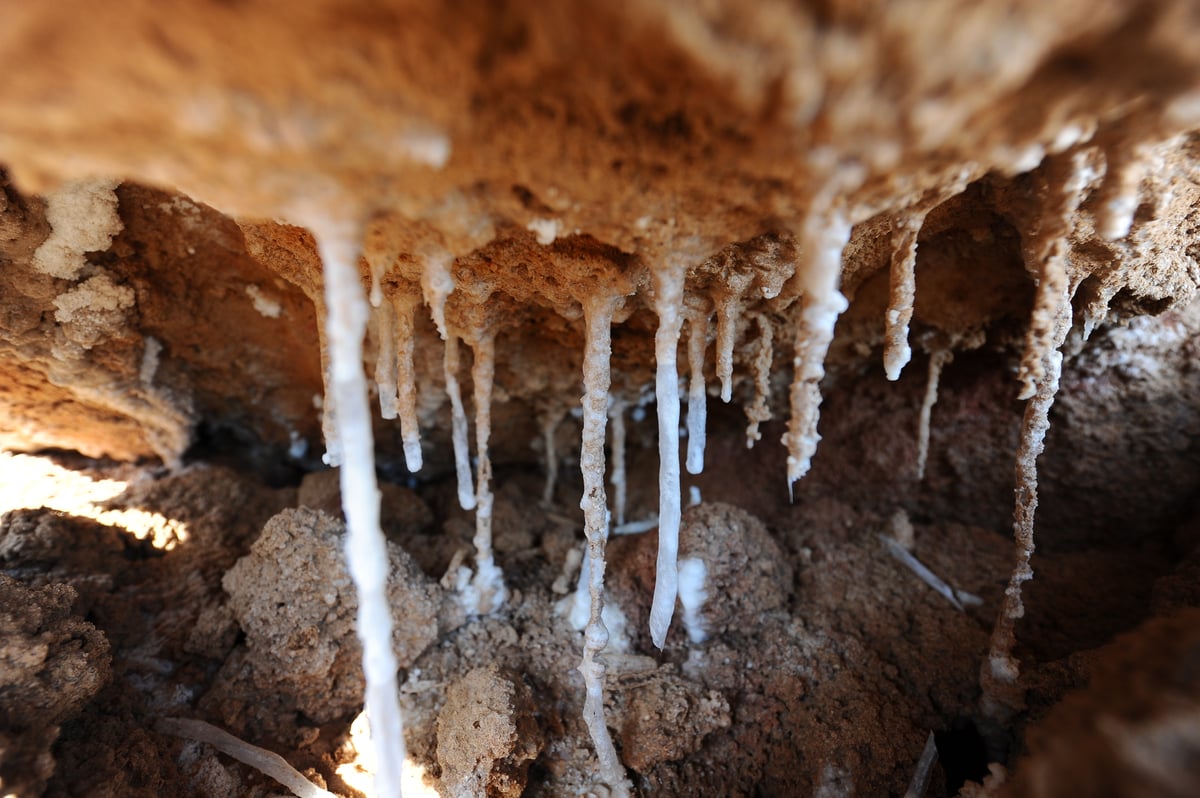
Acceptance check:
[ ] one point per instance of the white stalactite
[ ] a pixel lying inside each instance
(549, 419)
(1050, 248)
(1119, 192)
(824, 237)
(458, 426)
(937, 362)
(403, 312)
(378, 268)
(760, 410)
(668, 304)
(1001, 669)
(897, 352)
(437, 283)
(598, 314)
(383, 317)
(697, 414)
(488, 583)
(329, 426)
(366, 551)
(616, 414)
(727, 312)
(1041, 371)
(906, 227)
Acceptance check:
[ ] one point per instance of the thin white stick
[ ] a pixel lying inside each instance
(598, 314)
(920, 780)
(266, 762)
(925, 575)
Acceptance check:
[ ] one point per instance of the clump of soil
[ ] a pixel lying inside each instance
(52, 662)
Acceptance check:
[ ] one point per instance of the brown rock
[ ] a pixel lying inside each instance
(293, 598)
(51, 664)
(487, 735)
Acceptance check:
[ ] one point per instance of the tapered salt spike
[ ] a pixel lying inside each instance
(598, 315)
(550, 418)
(488, 581)
(1119, 193)
(437, 283)
(764, 355)
(458, 426)
(824, 237)
(383, 319)
(999, 672)
(727, 311)
(905, 230)
(403, 310)
(1050, 249)
(329, 426)
(937, 361)
(617, 414)
(668, 304)
(378, 267)
(897, 352)
(366, 551)
(697, 414)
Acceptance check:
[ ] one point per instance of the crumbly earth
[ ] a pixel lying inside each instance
(997, 166)
(827, 662)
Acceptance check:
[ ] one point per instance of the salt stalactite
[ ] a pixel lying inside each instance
(616, 413)
(437, 283)
(937, 361)
(598, 314)
(897, 352)
(1050, 249)
(824, 237)
(697, 414)
(760, 410)
(458, 425)
(403, 311)
(378, 268)
(329, 427)
(549, 418)
(1041, 370)
(906, 227)
(668, 304)
(727, 302)
(383, 317)
(1000, 671)
(1119, 192)
(489, 582)
(366, 551)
